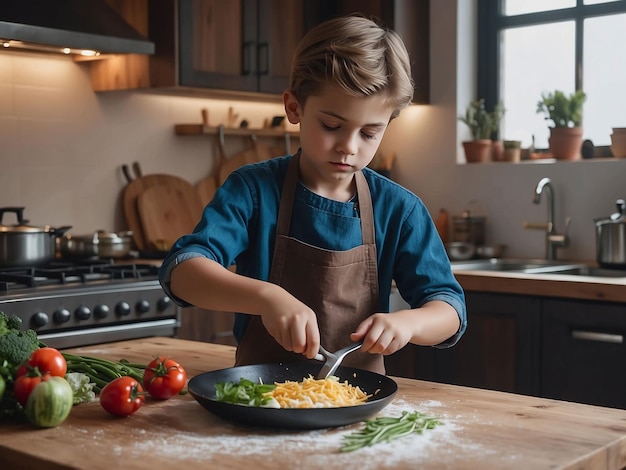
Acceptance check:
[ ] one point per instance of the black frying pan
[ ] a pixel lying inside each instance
(382, 389)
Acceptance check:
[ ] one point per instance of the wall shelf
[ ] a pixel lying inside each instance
(200, 129)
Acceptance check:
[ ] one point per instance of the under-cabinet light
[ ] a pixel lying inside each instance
(10, 43)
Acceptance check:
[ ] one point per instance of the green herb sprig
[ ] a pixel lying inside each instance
(385, 429)
(245, 392)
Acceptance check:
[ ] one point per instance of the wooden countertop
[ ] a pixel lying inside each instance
(482, 429)
(545, 285)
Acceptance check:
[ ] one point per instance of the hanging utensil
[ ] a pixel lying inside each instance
(333, 360)
(206, 187)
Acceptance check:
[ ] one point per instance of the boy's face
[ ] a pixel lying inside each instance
(339, 135)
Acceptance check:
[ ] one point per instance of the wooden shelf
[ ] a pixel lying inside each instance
(200, 129)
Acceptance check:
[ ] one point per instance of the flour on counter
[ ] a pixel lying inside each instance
(317, 448)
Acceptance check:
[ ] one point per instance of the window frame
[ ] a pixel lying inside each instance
(491, 22)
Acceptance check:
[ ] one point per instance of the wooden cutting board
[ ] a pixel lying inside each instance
(257, 153)
(167, 212)
(136, 187)
(206, 187)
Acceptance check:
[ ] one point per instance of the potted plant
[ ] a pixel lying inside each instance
(512, 151)
(482, 125)
(566, 136)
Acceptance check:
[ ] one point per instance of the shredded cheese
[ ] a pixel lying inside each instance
(314, 393)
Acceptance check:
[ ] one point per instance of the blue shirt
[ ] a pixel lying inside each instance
(238, 227)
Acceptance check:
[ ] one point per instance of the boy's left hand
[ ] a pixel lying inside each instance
(384, 333)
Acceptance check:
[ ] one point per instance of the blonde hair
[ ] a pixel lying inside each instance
(357, 55)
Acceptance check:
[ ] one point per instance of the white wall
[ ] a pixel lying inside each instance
(62, 146)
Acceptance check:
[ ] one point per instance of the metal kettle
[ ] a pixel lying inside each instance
(611, 238)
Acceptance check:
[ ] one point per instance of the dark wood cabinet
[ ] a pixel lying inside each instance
(500, 349)
(243, 46)
(584, 353)
(206, 325)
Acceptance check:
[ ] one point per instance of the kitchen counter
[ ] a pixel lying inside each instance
(482, 429)
(547, 285)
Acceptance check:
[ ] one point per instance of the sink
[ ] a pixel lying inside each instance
(537, 266)
(508, 264)
(589, 271)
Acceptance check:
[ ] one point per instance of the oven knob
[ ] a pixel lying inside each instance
(62, 315)
(101, 311)
(83, 312)
(122, 309)
(39, 319)
(164, 303)
(142, 306)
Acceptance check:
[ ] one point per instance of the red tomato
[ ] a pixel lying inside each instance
(164, 378)
(122, 396)
(25, 384)
(46, 361)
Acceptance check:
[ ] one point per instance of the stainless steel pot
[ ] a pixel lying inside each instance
(468, 229)
(99, 244)
(23, 245)
(611, 238)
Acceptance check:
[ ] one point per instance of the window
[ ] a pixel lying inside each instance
(529, 47)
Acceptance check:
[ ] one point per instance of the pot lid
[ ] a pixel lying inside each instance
(20, 226)
(618, 217)
(102, 236)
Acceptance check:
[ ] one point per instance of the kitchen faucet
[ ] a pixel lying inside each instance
(554, 240)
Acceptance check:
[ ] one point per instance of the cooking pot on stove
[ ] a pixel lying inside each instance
(24, 245)
(611, 238)
(99, 244)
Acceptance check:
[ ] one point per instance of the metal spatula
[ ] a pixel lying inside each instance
(333, 360)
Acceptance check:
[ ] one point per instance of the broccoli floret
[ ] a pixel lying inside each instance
(16, 346)
(14, 323)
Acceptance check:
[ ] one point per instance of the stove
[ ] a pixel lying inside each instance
(84, 302)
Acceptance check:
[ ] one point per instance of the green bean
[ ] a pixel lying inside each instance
(102, 371)
(385, 429)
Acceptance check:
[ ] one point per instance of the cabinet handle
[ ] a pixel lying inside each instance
(601, 337)
(264, 58)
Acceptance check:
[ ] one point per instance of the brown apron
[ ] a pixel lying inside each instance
(340, 286)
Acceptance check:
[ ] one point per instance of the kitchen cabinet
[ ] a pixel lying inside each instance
(500, 349)
(584, 353)
(551, 347)
(197, 324)
(244, 46)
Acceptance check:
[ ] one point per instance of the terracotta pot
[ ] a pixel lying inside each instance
(497, 151)
(477, 151)
(566, 142)
(512, 151)
(618, 144)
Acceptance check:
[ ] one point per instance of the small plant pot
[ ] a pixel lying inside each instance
(512, 151)
(566, 142)
(477, 151)
(618, 145)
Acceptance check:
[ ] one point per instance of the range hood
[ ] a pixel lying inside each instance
(68, 24)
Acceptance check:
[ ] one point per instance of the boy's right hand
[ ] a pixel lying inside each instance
(292, 324)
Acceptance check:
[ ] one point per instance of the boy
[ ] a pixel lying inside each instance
(317, 237)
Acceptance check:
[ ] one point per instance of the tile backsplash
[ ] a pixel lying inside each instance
(62, 145)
